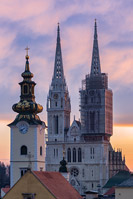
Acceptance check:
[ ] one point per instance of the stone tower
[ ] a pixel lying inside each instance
(58, 112)
(27, 131)
(96, 99)
(58, 101)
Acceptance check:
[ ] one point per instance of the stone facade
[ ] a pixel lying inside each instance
(86, 144)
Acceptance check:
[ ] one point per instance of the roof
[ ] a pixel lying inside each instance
(117, 179)
(127, 183)
(111, 191)
(78, 123)
(6, 189)
(57, 185)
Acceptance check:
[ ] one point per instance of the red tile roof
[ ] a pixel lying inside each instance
(6, 189)
(110, 191)
(57, 185)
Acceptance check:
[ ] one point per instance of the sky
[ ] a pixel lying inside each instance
(34, 23)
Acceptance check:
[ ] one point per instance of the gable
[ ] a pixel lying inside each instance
(29, 184)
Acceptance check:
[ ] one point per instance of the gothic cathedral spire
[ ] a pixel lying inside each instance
(58, 101)
(58, 76)
(95, 64)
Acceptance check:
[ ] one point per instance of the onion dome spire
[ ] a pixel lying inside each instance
(27, 107)
(58, 76)
(95, 64)
(27, 74)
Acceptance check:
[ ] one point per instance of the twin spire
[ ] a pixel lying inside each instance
(58, 66)
(95, 64)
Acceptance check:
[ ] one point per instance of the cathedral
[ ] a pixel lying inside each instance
(84, 144)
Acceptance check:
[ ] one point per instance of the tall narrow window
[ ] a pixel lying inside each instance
(79, 155)
(57, 152)
(32, 89)
(56, 124)
(25, 89)
(92, 121)
(23, 150)
(74, 155)
(23, 171)
(40, 150)
(69, 155)
(54, 152)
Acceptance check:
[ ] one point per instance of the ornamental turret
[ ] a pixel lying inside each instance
(27, 107)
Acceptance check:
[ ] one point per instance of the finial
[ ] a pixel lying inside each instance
(95, 22)
(95, 27)
(27, 56)
(58, 32)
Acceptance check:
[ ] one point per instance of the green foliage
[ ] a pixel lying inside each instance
(4, 175)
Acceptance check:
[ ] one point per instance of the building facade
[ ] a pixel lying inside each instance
(27, 131)
(86, 144)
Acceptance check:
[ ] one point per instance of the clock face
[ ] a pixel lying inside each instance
(23, 128)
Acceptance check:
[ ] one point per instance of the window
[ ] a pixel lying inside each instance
(54, 152)
(32, 90)
(23, 171)
(79, 155)
(23, 150)
(92, 173)
(92, 121)
(69, 155)
(56, 124)
(74, 155)
(92, 152)
(40, 150)
(57, 152)
(28, 195)
(74, 172)
(25, 89)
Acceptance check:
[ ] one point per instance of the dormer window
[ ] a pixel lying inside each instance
(28, 195)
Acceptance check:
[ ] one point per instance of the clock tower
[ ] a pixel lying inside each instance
(27, 131)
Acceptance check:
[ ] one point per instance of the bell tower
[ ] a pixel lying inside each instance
(27, 130)
(58, 101)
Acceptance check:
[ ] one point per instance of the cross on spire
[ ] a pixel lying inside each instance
(27, 48)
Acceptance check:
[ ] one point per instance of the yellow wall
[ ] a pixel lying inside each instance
(28, 184)
(123, 193)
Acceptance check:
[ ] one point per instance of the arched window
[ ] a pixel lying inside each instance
(92, 121)
(25, 89)
(23, 150)
(40, 150)
(79, 155)
(74, 155)
(69, 155)
(56, 124)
